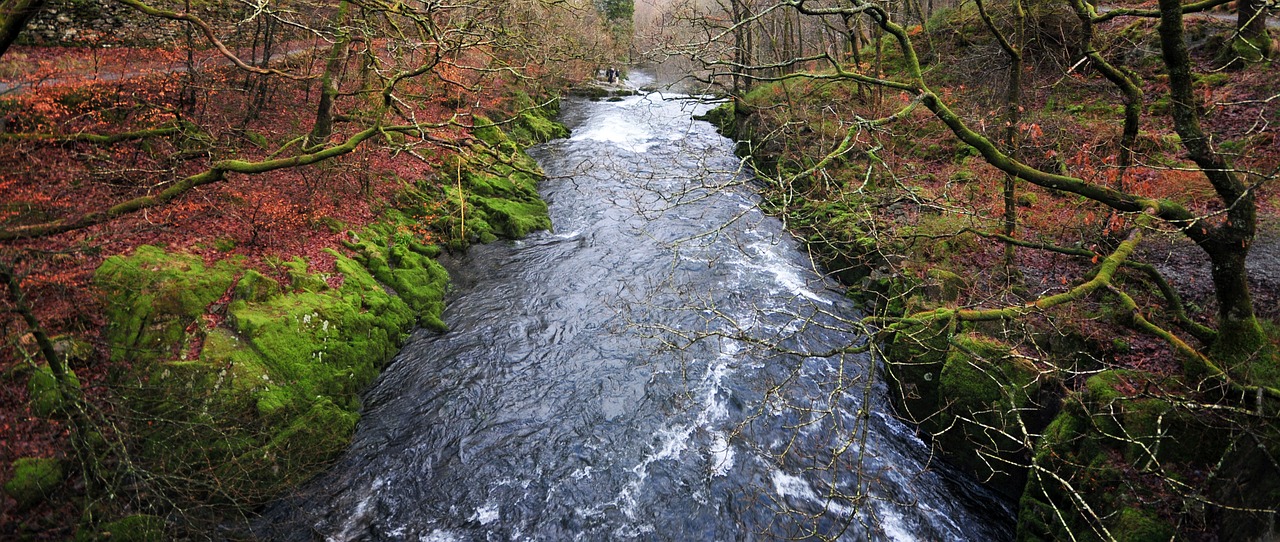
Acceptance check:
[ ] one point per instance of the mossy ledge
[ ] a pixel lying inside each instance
(247, 408)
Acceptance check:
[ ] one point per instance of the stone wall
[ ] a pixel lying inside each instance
(105, 22)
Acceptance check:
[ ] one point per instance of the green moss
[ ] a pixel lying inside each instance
(1147, 427)
(1251, 50)
(498, 198)
(135, 528)
(47, 398)
(301, 279)
(944, 286)
(541, 128)
(275, 392)
(1137, 525)
(34, 480)
(152, 297)
(419, 280)
(254, 286)
(1103, 387)
(722, 117)
(513, 219)
(1215, 79)
(986, 393)
(485, 130)
(1068, 449)
(913, 365)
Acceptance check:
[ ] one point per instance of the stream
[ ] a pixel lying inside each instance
(666, 365)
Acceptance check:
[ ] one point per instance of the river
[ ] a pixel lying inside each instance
(650, 370)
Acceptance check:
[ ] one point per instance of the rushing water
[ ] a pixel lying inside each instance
(637, 374)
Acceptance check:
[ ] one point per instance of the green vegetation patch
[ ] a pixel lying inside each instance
(46, 396)
(34, 480)
(494, 192)
(274, 393)
(985, 390)
(135, 528)
(153, 296)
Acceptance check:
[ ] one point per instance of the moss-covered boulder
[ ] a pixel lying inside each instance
(274, 392)
(409, 270)
(495, 192)
(914, 359)
(988, 398)
(534, 127)
(152, 297)
(722, 117)
(47, 397)
(254, 286)
(1114, 441)
(943, 286)
(34, 480)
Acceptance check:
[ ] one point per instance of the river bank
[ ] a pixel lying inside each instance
(1095, 422)
(229, 367)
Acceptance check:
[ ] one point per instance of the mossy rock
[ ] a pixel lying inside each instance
(275, 392)
(1071, 449)
(1137, 525)
(498, 198)
(71, 349)
(254, 286)
(943, 286)
(1147, 428)
(416, 278)
(485, 130)
(34, 480)
(913, 366)
(540, 128)
(153, 296)
(300, 279)
(1249, 483)
(982, 381)
(589, 91)
(47, 398)
(1108, 432)
(722, 117)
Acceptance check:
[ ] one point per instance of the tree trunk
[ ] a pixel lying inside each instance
(1227, 244)
(323, 126)
(1252, 43)
(16, 14)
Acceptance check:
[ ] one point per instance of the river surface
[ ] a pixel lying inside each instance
(653, 369)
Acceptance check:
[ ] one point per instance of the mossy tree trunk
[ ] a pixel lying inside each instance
(1252, 43)
(1227, 243)
(323, 126)
(14, 16)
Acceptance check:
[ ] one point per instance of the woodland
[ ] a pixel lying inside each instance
(1060, 215)
(1063, 218)
(204, 209)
